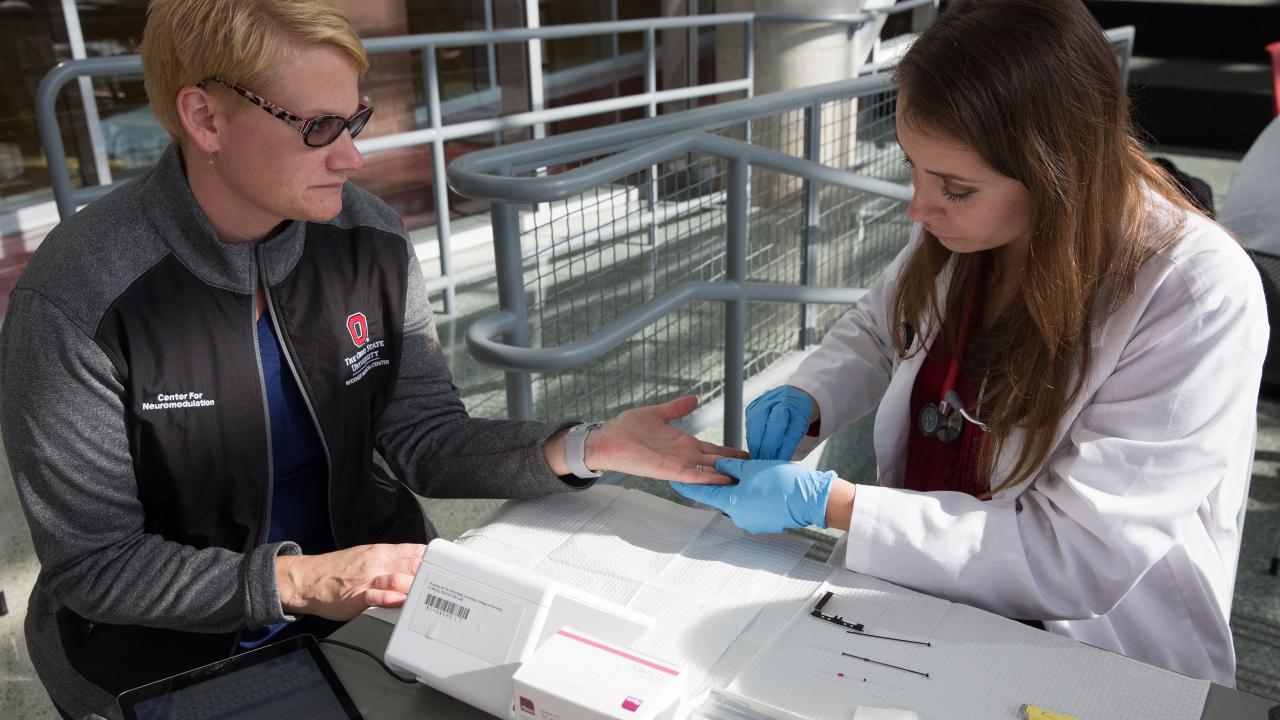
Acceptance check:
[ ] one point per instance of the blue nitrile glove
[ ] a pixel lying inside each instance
(771, 495)
(776, 421)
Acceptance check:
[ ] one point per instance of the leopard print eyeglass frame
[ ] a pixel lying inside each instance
(316, 132)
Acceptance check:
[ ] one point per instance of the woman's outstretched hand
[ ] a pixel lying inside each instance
(640, 442)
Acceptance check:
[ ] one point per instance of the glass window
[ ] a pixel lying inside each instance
(475, 82)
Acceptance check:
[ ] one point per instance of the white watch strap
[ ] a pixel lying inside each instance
(575, 450)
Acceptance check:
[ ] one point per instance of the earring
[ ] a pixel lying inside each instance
(210, 158)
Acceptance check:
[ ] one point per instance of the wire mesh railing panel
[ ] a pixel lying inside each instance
(774, 237)
(599, 255)
(858, 233)
(783, 132)
(858, 135)
(775, 230)
(479, 385)
(858, 236)
(594, 257)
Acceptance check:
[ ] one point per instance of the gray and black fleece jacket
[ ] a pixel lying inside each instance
(135, 422)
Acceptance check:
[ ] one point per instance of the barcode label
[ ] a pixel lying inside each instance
(447, 607)
(450, 608)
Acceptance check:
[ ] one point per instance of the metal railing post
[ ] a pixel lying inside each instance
(534, 53)
(735, 311)
(93, 123)
(439, 181)
(64, 194)
(693, 51)
(510, 270)
(812, 217)
(616, 49)
(491, 57)
(55, 153)
(650, 70)
(651, 110)
(749, 67)
(1123, 36)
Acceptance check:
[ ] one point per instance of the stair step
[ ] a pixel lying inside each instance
(1234, 30)
(1204, 75)
(1207, 119)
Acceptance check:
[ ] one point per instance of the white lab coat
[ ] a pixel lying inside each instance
(1126, 538)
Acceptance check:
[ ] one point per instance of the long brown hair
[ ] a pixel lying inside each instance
(1034, 88)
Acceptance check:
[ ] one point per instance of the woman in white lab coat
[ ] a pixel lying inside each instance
(1065, 360)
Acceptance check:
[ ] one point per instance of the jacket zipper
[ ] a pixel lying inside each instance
(264, 523)
(287, 351)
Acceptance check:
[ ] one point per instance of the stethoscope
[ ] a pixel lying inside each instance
(945, 419)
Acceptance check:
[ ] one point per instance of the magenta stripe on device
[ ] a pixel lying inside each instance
(615, 651)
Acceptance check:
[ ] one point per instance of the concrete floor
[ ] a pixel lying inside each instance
(1256, 612)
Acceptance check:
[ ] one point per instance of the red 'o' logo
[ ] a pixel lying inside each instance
(359, 328)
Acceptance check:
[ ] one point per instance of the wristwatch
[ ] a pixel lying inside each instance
(575, 450)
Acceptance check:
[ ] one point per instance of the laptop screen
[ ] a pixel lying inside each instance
(289, 679)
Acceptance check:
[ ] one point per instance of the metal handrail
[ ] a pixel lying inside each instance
(489, 175)
(574, 355)
(565, 148)
(547, 188)
(1123, 38)
(68, 198)
(499, 188)
(476, 175)
(51, 137)
(511, 322)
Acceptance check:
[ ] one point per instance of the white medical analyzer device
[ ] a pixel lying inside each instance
(470, 620)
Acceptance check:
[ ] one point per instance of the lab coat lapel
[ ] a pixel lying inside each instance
(893, 418)
(894, 421)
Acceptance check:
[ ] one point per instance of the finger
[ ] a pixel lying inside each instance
(702, 475)
(705, 494)
(410, 565)
(709, 462)
(678, 408)
(384, 598)
(722, 450)
(795, 432)
(398, 581)
(706, 478)
(773, 432)
(757, 421)
(731, 467)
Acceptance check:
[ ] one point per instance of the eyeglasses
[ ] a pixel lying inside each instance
(316, 132)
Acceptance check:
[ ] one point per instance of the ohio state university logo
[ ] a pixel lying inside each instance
(358, 327)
